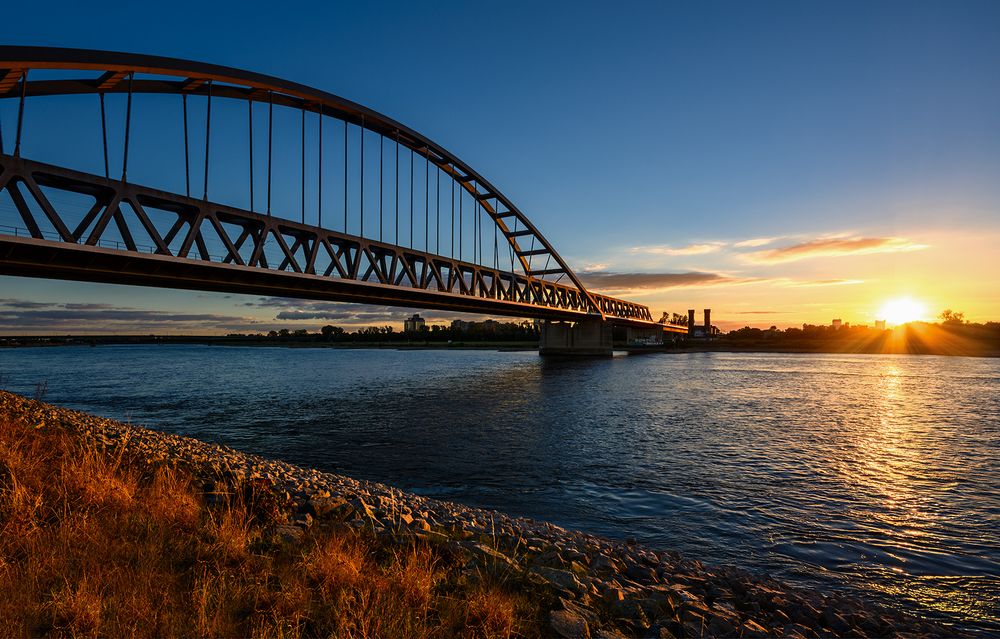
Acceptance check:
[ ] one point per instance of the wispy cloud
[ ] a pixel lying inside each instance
(348, 314)
(755, 242)
(644, 283)
(26, 317)
(833, 247)
(24, 304)
(690, 249)
(637, 283)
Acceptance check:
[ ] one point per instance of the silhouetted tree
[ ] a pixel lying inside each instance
(951, 317)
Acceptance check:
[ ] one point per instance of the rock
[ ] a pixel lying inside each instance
(836, 622)
(562, 580)
(751, 628)
(603, 564)
(361, 509)
(569, 625)
(721, 627)
(321, 507)
(490, 557)
(432, 536)
(420, 524)
(342, 512)
(551, 558)
(796, 630)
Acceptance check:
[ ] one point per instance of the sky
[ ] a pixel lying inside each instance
(779, 162)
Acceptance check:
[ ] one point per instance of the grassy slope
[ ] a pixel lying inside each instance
(92, 545)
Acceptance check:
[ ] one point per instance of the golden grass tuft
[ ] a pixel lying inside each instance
(95, 543)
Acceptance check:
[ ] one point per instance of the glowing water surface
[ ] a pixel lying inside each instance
(876, 474)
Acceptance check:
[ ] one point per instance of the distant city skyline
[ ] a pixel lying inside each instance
(780, 166)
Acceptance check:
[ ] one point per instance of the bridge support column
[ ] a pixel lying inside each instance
(588, 338)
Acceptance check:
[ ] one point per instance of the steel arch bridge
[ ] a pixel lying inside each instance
(80, 224)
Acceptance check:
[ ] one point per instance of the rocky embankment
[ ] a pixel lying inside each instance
(598, 587)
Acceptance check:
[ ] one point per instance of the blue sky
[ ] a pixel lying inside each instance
(805, 160)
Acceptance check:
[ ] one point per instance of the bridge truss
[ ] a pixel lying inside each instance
(77, 224)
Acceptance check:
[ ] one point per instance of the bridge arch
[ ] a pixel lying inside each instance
(66, 72)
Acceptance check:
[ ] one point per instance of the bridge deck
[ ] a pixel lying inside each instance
(29, 257)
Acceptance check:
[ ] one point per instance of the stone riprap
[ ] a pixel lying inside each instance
(598, 587)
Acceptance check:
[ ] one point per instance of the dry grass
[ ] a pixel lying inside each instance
(93, 544)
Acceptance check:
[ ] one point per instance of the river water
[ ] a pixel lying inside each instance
(864, 473)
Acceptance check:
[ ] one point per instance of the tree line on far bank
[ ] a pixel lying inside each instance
(488, 331)
(952, 335)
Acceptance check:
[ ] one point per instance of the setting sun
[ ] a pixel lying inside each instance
(902, 310)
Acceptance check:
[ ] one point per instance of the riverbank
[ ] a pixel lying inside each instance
(585, 585)
(265, 342)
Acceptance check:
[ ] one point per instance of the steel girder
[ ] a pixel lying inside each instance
(305, 261)
(196, 78)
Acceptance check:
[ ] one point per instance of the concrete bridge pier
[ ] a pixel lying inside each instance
(588, 338)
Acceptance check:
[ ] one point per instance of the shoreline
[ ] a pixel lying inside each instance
(603, 587)
(718, 346)
(497, 347)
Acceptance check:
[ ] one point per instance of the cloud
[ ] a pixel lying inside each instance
(65, 320)
(87, 307)
(348, 313)
(833, 247)
(621, 283)
(299, 315)
(755, 242)
(25, 304)
(690, 249)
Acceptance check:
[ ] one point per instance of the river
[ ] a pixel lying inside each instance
(865, 473)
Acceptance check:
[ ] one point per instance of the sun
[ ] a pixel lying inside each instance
(902, 310)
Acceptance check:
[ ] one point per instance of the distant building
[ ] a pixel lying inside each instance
(490, 326)
(704, 331)
(837, 323)
(414, 324)
(460, 325)
(879, 325)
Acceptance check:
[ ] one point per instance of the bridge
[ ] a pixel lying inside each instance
(383, 215)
